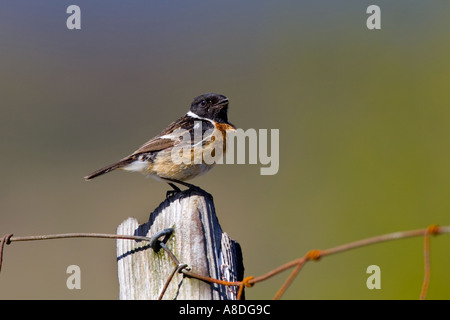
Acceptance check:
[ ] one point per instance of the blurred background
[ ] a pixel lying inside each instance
(364, 135)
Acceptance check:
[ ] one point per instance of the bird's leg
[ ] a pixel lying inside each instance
(176, 189)
(173, 192)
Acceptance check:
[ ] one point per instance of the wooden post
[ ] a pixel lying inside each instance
(197, 240)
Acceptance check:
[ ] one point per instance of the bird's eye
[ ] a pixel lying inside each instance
(203, 103)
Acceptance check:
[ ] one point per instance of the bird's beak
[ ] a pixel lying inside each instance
(222, 103)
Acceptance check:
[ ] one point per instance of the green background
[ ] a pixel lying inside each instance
(364, 135)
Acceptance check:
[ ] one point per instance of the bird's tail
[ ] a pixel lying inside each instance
(107, 169)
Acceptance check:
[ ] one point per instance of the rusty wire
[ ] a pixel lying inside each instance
(250, 281)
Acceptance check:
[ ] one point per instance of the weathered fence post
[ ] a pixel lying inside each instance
(197, 240)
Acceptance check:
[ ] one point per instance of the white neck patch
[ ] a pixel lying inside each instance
(193, 115)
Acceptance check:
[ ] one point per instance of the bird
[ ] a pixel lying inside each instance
(207, 118)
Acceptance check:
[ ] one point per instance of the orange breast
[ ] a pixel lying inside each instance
(224, 127)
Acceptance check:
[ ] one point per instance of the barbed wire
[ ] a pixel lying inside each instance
(250, 281)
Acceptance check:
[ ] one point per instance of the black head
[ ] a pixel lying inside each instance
(212, 106)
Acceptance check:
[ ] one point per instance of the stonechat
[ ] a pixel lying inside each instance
(208, 115)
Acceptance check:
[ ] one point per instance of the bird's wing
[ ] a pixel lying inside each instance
(170, 136)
